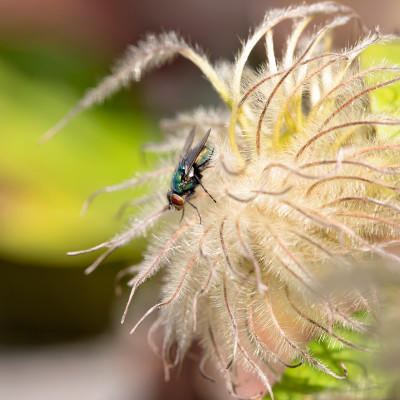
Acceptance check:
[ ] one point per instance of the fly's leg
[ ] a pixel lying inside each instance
(187, 201)
(197, 210)
(199, 181)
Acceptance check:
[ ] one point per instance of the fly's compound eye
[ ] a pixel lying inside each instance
(177, 200)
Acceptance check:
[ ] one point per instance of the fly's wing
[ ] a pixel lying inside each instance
(192, 155)
(188, 145)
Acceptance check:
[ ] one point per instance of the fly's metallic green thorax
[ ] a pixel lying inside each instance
(188, 174)
(180, 183)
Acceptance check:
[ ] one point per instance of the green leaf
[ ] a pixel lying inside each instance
(364, 380)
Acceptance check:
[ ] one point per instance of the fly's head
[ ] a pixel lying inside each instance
(175, 201)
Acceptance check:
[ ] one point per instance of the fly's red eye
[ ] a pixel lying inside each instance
(177, 200)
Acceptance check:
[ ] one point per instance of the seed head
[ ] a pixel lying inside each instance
(305, 184)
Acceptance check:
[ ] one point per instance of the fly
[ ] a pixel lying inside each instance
(188, 174)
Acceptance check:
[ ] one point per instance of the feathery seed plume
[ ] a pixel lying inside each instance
(305, 186)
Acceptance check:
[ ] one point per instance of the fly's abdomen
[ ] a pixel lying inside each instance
(203, 157)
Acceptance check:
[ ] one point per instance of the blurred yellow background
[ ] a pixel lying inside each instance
(58, 328)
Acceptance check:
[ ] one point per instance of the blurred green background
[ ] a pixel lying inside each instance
(51, 51)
